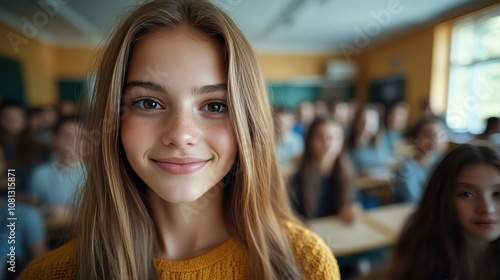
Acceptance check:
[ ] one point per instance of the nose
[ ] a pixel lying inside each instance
(486, 206)
(181, 129)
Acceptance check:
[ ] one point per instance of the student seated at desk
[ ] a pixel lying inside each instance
(368, 152)
(428, 137)
(455, 231)
(322, 185)
(54, 185)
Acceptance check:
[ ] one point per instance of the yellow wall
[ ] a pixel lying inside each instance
(43, 65)
(73, 63)
(409, 56)
(279, 68)
(36, 63)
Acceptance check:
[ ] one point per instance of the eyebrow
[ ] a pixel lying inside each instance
(210, 89)
(472, 186)
(146, 85)
(157, 87)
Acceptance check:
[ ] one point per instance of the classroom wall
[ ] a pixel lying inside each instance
(283, 67)
(73, 63)
(409, 56)
(36, 59)
(43, 65)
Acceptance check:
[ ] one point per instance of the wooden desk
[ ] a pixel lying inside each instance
(390, 218)
(349, 239)
(376, 229)
(366, 183)
(376, 187)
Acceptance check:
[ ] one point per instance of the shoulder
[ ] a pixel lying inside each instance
(42, 169)
(55, 265)
(406, 166)
(315, 258)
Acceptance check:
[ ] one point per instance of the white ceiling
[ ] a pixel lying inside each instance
(297, 26)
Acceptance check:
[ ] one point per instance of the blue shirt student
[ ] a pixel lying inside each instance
(53, 184)
(410, 179)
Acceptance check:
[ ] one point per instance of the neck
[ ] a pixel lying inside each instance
(326, 164)
(476, 248)
(188, 230)
(364, 138)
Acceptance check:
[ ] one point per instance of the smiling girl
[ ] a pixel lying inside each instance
(455, 232)
(182, 182)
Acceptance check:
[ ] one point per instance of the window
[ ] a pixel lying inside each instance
(474, 81)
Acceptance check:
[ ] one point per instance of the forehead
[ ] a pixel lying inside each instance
(479, 176)
(171, 53)
(329, 127)
(165, 40)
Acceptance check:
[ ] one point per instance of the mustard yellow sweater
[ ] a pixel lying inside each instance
(227, 261)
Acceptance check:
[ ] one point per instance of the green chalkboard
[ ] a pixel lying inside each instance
(11, 79)
(71, 90)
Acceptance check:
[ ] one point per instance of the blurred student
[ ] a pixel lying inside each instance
(289, 144)
(320, 109)
(341, 113)
(395, 122)
(427, 137)
(42, 122)
(28, 233)
(322, 185)
(54, 185)
(67, 109)
(455, 231)
(369, 155)
(491, 134)
(20, 147)
(305, 116)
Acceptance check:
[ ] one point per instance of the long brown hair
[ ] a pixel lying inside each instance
(309, 177)
(431, 246)
(352, 141)
(114, 229)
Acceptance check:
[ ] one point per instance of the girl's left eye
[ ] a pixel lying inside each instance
(496, 194)
(215, 107)
(466, 195)
(147, 104)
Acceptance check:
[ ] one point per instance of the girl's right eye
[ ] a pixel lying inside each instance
(147, 104)
(466, 195)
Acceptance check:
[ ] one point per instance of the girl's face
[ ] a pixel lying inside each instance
(175, 126)
(477, 201)
(327, 140)
(431, 137)
(369, 122)
(13, 120)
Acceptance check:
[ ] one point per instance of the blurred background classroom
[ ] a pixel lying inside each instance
(388, 85)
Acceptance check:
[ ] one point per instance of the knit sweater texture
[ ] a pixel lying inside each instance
(227, 261)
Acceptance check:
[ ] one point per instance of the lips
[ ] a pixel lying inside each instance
(181, 165)
(486, 223)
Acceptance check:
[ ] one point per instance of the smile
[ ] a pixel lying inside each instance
(486, 223)
(181, 166)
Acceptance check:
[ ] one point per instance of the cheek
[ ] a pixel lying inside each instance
(463, 211)
(316, 147)
(134, 136)
(223, 142)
